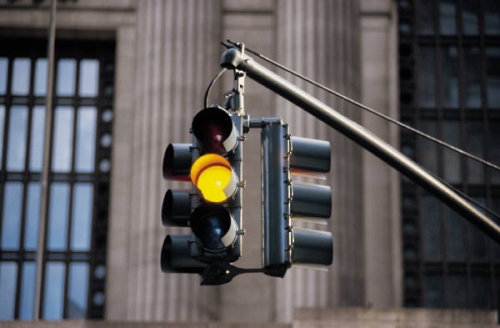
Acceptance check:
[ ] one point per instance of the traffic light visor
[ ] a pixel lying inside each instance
(176, 257)
(310, 157)
(312, 248)
(176, 208)
(214, 178)
(177, 161)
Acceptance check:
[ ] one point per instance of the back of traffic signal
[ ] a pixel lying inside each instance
(210, 207)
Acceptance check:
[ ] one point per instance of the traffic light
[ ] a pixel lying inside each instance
(212, 208)
(176, 211)
(283, 157)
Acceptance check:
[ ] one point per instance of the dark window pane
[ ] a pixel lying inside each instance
(494, 147)
(82, 216)
(4, 65)
(426, 17)
(492, 17)
(479, 246)
(457, 291)
(409, 203)
(493, 76)
(89, 78)
(433, 284)
(428, 151)
(77, 290)
(495, 206)
(85, 139)
(37, 139)
(21, 76)
(11, 223)
(8, 278)
(16, 149)
(2, 125)
(32, 216)
(478, 240)
(411, 281)
(472, 63)
(470, 17)
(63, 139)
(58, 216)
(431, 228)
(405, 27)
(455, 236)
(427, 77)
(474, 141)
(481, 291)
(26, 306)
(447, 17)
(451, 159)
(449, 77)
(53, 299)
(66, 77)
(41, 69)
(410, 254)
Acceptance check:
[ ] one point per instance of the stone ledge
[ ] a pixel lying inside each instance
(444, 316)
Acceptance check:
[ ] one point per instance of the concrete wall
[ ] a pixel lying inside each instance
(393, 318)
(167, 52)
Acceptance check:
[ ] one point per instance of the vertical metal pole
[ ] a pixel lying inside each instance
(46, 160)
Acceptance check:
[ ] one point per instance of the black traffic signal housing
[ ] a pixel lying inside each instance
(212, 207)
(283, 157)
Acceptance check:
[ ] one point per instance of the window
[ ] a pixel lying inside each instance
(449, 58)
(74, 268)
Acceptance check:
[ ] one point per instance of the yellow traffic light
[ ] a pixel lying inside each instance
(214, 178)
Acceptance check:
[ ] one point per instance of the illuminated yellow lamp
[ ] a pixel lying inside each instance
(214, 178)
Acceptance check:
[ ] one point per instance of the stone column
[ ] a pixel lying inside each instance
(320, 39)
(382, 193)
(177, 53)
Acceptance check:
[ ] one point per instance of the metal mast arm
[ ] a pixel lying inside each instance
(234, 59)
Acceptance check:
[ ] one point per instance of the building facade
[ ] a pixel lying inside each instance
(151, 61)
(449, 73)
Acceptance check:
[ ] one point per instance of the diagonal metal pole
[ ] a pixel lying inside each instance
(234, 59)
(40, 255)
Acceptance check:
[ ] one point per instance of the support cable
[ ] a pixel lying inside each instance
(207, 91)
(385, 117)
(371, 110)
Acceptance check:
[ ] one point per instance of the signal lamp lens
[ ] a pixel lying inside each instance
(213, 177)
(214, 130)
(214, 227)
